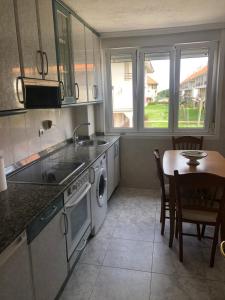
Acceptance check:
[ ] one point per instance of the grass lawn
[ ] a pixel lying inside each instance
(156, 116)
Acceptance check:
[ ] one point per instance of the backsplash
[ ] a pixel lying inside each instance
(19, 134)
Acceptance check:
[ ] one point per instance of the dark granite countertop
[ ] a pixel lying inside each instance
(21, 203)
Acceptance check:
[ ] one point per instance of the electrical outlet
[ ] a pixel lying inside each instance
(41, 131)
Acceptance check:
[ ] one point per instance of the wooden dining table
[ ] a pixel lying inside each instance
(213, 163)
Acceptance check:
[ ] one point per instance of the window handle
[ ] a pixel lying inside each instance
(46, 60)
(39, 54)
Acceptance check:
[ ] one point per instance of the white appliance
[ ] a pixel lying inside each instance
(77, 216)
(98, 176)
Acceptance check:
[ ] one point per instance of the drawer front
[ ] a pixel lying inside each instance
(35, 227)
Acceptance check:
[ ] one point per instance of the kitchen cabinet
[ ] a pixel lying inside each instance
(15, 271)
(31, 57)
(79, 60)
(97, 69)
(113, 168)
(9, 58)
(48, 252)
(92, 91)
(47, 39)
(37, 38)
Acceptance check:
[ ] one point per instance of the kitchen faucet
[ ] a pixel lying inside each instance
(75, 136)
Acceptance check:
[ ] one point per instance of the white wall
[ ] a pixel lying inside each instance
(137, 164)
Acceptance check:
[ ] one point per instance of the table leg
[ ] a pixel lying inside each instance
(172, 209)
(222, 230)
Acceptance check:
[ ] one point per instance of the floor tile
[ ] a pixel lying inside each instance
(164, 287)
(218, 271)
(136, 255)
(120, 284)
(95, 251)
(216, 290)
(81, 283)
(166, 261)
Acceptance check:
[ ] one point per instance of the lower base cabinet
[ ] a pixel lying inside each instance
(113, 168)
(15, 271)
(48, 259)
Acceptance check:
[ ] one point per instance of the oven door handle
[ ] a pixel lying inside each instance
(73, 203)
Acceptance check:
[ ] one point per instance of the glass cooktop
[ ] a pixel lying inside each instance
(46, 171)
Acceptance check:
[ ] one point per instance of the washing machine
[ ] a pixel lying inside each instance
(98, 179)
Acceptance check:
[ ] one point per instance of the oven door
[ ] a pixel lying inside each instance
(78, 215)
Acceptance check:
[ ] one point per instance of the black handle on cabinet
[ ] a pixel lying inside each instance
(66, 223)
(40, 70)
(62, 90)
(17, 89)
(77, 95)
(46, 60)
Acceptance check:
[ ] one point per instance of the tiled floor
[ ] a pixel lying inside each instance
(130, 260)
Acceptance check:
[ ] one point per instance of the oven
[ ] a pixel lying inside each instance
(77, 212)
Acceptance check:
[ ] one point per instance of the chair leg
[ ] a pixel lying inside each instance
(180, 231)
(176, 229)
(214, 244)
(161, 210)
(199, 232)
(163, 218)
(203, 231)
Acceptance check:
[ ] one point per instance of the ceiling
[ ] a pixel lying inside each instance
(126, 15)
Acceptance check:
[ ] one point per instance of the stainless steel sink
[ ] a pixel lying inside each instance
(92, 143)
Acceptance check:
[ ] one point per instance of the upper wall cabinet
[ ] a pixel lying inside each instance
(9, 58)
(97, 69)
(47, 39)
(78, 57)
(79, 61)
(37, 38)
(90, 64)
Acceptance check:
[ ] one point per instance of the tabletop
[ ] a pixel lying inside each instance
(213, 163)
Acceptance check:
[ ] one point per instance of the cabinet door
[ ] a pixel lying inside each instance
(89, 35)
(47, 37)
(97, 69)
(9, 58)
(110, 171)
(116, 164)
(49, 263)
(79, 60)
(15, 271)
(63, 49)
(29, 39)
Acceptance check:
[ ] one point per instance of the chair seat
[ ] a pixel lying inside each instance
(199, 215)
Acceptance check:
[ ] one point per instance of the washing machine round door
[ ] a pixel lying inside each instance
(101, 187)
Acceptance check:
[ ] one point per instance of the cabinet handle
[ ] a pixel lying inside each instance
(93, 170)
(62, 90)
(77, 94)
(46, 60)
(82, 247)
(54, 209)
(17, 89)
(66, 223)
(40, 54)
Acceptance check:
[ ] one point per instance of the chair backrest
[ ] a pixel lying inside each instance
(199, 191)
(160, 171)
(187, 143)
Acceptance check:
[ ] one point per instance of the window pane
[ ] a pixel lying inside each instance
(156, 90)
(122, 90)
(193, 87)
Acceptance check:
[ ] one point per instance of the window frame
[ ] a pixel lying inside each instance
(109, 104)
(138, 89)
(211, 86)
(141, 91)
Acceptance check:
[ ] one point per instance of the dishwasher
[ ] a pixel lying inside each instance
(47, 247)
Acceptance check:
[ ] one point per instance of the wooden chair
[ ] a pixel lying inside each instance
(200, 198)
(187, 143)
(164, 191)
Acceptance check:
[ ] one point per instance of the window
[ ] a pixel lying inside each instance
(172, 92)
(122, 70)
